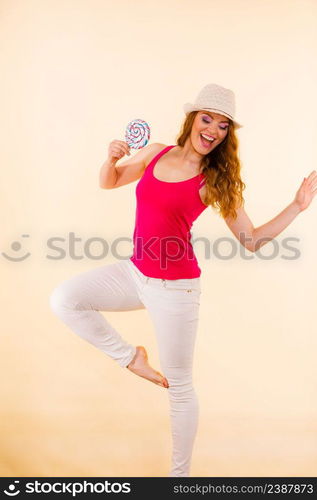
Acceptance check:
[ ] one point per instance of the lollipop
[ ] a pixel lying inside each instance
(137, 134)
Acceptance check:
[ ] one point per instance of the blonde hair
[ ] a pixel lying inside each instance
(221, 168)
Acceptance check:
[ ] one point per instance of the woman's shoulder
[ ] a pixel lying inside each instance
(152, 150)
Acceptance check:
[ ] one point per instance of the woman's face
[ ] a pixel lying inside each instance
(212, 125)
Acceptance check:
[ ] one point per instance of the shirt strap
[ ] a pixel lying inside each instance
(203, 181)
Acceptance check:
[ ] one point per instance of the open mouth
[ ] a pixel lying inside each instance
(205, 142)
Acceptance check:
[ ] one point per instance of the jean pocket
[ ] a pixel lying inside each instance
(185, 290)
(187, 285)
(184, 297)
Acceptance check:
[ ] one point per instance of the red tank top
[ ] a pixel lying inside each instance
(165, 212)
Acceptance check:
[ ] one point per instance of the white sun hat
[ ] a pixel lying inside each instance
(215, 98)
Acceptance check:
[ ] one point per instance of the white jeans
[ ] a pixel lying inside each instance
(173, 306)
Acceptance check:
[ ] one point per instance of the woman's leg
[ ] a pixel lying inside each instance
(175, 317)
(78, 300)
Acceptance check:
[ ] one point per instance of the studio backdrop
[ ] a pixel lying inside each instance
(73, 75)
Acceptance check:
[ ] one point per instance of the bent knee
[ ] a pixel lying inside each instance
(62, 297)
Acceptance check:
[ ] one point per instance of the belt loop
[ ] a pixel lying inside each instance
(147, 279)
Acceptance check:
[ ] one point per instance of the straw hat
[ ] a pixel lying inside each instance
(215, 98)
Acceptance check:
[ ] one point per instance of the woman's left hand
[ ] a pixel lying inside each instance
(306, 191)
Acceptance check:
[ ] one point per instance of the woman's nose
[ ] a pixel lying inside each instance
(212, 131)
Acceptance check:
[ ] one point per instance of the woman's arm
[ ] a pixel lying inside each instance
(113, 176)
(253, 238)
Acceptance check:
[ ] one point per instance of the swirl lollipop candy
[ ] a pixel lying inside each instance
(137, 134)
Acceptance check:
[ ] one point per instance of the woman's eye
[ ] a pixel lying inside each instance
(207, 121)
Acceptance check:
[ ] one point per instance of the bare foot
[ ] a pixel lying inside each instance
(140, 366)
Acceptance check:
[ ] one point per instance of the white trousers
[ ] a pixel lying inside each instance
(173, 306)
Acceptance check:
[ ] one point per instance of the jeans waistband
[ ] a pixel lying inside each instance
(181, 283)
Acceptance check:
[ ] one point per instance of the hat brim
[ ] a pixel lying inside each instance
(189, 107)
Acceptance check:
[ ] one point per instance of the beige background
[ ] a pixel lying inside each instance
(73, 74)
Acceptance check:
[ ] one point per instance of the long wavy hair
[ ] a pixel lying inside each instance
(221, 168)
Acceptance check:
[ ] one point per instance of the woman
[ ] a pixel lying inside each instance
(177, 183)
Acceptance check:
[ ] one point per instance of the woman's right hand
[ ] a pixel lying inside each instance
(117, 149)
